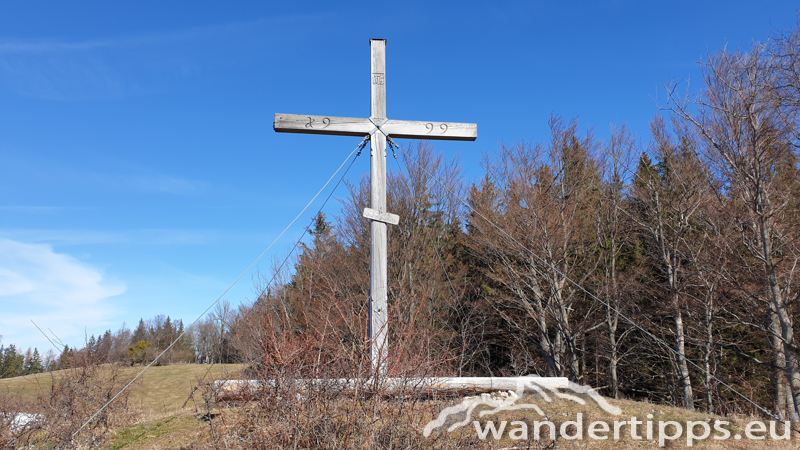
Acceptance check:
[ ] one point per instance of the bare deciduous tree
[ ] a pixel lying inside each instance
(749, 136)
(613, 236)
(546, 200)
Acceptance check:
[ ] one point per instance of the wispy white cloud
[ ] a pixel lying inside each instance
(42, 46)
(63, 76)
(115, 174)
(125, 237)
(66, 237)
(10, 46)
(41, 209)
(168, 185)
(54, 289)
(118, 66)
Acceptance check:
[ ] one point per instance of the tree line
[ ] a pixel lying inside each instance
(209, 341)
(14, 363)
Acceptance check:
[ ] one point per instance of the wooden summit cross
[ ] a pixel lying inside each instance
(378, 127)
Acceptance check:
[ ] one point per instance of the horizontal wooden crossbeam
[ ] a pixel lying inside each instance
(351, 126)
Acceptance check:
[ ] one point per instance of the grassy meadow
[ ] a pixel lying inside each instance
(161, 389)
(157, 397)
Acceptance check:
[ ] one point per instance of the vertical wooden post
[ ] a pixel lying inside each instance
(377, 127)
(378, 329)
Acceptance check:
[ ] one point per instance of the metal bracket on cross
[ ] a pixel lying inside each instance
(386, 217)
(378, 127)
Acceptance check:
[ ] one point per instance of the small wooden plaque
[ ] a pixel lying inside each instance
(371, 214)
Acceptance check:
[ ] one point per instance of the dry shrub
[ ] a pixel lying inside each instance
(314, 391)
(311, 324)
(75, 395)
(326, 417)
(9, 407)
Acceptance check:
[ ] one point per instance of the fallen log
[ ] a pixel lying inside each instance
(230, 390)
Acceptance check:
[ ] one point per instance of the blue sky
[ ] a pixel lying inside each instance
(139, 172)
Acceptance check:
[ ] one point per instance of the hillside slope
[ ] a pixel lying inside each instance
(161, 389)
(163, 424)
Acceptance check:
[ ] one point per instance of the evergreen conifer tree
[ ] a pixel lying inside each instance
(140, 334)
(34, 363)
(12, 362)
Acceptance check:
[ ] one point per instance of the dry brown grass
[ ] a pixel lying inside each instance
(344, 421)
(162, 388)
(287, 418)
(153, 401)
(559, 411)
(74, 396)
(175, 430)
(284, 418)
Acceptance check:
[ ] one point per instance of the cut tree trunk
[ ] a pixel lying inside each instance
(228, 390)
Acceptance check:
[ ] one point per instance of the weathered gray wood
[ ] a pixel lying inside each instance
(388, 218)
(238, 389)
(411, 129)
(378, 315)
(351, 126)
(342, 126)
(378, 78)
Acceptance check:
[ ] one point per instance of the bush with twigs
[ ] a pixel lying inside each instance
(56, 416)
